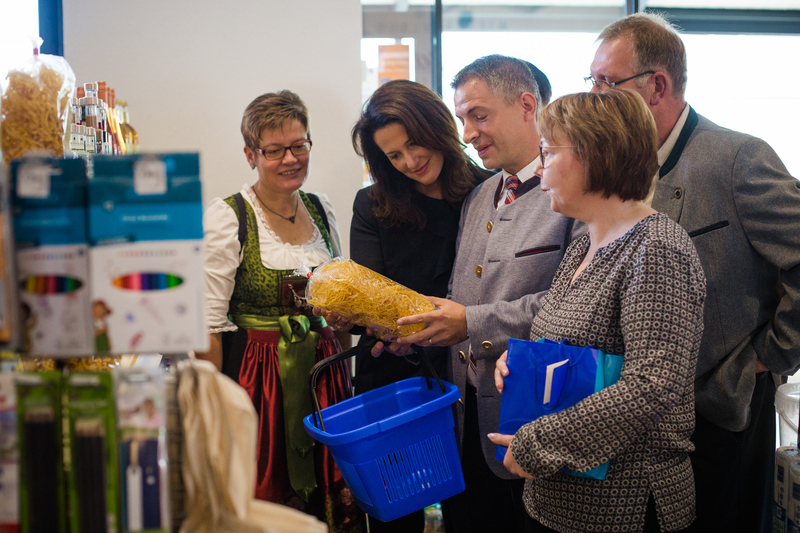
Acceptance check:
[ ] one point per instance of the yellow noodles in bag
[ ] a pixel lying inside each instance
(33, 114)
(35, 364)
(365, 298)
(96, 363)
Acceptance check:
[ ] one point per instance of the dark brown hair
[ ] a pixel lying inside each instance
(428, 123)
(613, 133)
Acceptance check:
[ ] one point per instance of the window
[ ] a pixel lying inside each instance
(19, 24)
(371, 62)
(750, 87)
(760, 99)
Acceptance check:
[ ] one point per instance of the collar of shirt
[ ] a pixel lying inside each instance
(666, 149)
(523, 175)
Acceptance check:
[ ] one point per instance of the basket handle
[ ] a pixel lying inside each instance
(352, 352)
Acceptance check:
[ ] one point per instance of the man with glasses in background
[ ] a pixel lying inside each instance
(741, 207)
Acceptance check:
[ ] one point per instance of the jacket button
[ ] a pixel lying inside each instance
(678, 193)
(489, 226)
(478, 270)
(487, 345)
(461, 355)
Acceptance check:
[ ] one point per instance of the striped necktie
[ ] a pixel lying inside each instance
(512, 184)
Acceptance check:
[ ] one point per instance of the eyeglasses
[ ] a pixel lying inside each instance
(591, 81)
(279, 152)
(543, 152)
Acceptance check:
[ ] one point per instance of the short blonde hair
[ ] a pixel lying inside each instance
(613, 133)
(272, 111)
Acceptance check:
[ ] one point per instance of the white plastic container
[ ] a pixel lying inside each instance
(787, 404)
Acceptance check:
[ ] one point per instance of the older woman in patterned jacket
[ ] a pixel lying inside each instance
(633, 286)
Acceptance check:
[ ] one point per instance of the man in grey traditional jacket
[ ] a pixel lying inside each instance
(510, 244)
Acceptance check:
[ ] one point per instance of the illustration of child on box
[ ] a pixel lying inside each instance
(100, 311)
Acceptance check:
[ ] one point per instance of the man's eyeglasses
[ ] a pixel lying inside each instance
(279, 152)
(543, 151)
(591, 81)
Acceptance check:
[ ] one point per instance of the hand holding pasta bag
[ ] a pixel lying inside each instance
(34, 107)
(364, 297)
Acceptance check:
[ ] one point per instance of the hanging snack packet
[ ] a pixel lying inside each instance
(34, 106)
(364, 297)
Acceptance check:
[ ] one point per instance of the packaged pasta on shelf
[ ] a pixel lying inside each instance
(364, 297)
(34, 106)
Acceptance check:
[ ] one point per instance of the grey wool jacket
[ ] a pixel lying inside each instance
(741, 207)
(505, 262)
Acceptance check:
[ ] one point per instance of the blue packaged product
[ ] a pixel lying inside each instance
(146, 236)
(48, 199)
(144, 484)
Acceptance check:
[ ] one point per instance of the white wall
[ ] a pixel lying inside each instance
(189, 68)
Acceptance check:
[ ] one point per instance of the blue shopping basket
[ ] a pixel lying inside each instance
(395, 445)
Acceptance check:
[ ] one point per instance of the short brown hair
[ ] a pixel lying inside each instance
(428, 123)
(613, 133)
(656, 46)
(272, 111)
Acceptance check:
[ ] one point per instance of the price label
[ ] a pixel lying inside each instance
(33, 180)
(150, 176)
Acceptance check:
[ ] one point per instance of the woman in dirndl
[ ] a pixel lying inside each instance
(262, 334)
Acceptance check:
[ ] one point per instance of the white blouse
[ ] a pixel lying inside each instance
(224, 254)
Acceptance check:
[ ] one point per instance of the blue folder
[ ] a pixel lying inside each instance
(546, 377)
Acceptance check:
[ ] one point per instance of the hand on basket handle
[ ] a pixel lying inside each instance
(390, 345)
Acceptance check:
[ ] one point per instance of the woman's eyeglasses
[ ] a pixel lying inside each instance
(279, 152)
(543, 152)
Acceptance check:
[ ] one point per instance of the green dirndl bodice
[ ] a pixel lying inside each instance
(269, 300)
(259, 290)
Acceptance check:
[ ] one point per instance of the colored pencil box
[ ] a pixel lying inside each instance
(50, 229)
(146, 236)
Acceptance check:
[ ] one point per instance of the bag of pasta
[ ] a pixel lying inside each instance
(365, 297)
(34, 106)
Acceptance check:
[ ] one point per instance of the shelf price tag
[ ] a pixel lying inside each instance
(150, 176)
(33, 180)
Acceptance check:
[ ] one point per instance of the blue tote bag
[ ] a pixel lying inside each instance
(546, 377)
